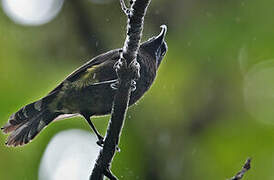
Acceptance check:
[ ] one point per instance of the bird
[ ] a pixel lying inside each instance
(88, 92)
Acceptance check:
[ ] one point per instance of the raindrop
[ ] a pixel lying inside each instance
(238, 19)
(209, 14)
(189, 43)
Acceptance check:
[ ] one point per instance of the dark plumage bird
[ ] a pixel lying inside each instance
(87, 91)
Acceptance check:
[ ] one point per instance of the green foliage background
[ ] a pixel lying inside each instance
(192, 124)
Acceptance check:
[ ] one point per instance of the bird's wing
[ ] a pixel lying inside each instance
(96, 70)
(97, 61)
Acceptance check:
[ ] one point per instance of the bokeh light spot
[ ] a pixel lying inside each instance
(259, 91)
(70, 155)
(32, 12)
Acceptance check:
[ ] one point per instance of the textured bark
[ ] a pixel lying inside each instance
(127, 70)
(244, 169)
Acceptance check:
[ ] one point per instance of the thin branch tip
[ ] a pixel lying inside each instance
(245, 168)
(124, 8)
(248, 163)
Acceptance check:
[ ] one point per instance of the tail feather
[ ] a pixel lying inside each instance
(25, 124)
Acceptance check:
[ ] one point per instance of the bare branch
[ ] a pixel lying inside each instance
(127, 69)
(124, 7)
(245, 168)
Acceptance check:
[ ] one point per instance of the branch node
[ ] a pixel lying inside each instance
(125, 9)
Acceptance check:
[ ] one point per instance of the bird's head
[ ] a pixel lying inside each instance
(156, 46)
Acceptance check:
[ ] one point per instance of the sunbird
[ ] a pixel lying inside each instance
(88, 91)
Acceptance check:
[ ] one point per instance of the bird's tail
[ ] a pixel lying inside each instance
(26, 123)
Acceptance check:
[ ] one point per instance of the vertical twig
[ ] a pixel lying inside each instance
(127, 70)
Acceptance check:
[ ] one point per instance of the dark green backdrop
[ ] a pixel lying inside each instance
(209, 109)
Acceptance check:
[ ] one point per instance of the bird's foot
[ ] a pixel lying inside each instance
(133, 85)
(124, 71)
(101, 142)
(115, 85)
(134, 68)
(121, 67)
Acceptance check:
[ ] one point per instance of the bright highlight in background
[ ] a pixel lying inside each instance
(70, 155)
(32, 12)
(259, 91)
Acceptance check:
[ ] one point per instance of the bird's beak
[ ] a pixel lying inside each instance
(153, 44)
(156, 44)
(161, 37)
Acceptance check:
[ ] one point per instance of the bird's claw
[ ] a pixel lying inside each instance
(115, 85)
(101, 142)
(132, 71)
(121, 68)
(120, 64)
(133, 85)
(134, 67)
